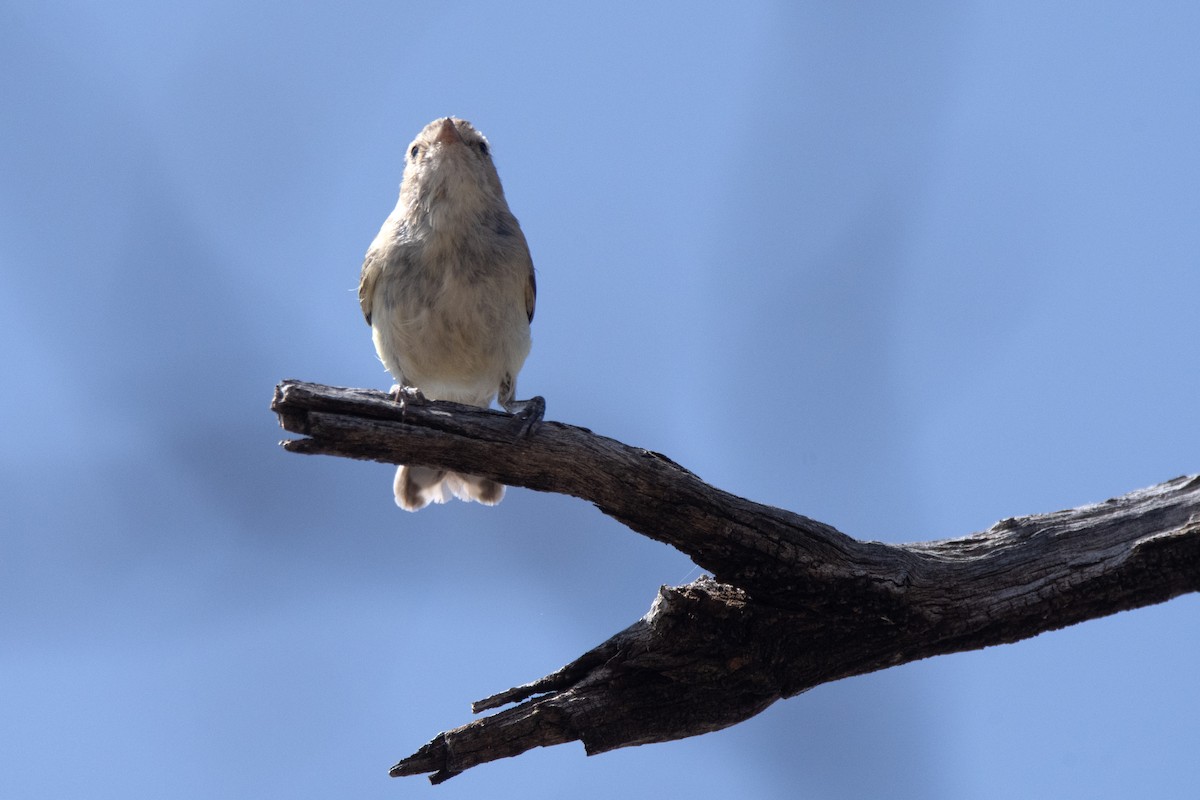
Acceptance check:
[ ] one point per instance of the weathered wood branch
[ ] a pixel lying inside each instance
(792, 603)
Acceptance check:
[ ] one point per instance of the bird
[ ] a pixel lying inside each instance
(449, 290)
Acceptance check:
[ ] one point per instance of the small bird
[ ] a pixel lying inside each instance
(448, 290)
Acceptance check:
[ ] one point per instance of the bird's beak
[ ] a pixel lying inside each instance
(448, 134)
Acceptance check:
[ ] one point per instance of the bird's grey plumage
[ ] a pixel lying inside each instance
(448, 290)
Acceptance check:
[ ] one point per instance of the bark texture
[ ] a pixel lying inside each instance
(792, 602)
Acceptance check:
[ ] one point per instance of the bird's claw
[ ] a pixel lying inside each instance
(529, 414)
(407, 396)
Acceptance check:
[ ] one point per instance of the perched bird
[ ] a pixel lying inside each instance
(448, 290)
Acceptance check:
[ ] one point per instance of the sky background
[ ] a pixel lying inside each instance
(904, 268)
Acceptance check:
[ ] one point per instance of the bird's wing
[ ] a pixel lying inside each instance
(530, 293)
(371, 268)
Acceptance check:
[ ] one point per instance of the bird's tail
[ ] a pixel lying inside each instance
(417, 487)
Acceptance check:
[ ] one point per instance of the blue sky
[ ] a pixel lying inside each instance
(904, 268)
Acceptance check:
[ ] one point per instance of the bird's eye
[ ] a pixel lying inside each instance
(483, 148)
(414, 151)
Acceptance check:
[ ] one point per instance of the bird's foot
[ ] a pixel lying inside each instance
(529, 414)
(407, 396)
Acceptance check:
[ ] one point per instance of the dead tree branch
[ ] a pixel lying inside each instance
(792, 603)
